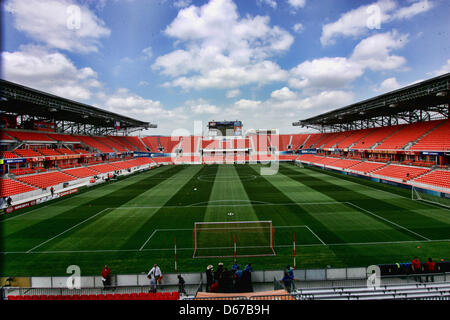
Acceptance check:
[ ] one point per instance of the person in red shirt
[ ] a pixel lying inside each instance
(106, 277)
(416, 268)
(430, 266)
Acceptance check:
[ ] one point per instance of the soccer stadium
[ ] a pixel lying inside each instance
(98, 205)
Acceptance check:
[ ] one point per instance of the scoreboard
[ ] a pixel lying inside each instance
(233, 128)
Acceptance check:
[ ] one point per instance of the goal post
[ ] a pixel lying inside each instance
(233, 239)
(438, 198)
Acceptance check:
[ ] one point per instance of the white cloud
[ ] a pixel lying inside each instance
(361, 20)
(143, 83)
(182, 3)
(283, 94)
(388, 85)
(147, 53)
(276, 113)
(414, 9)
(205, 109)
(233, 77)
(125, 102)
(372, 53)
(270, 3)
(245, 104)
(49, 71)
(222, 50)
(326, 100)
(233, 93)
(297, 3)
(298, 27)
(443, 70)
(53, 23)
(324, 73)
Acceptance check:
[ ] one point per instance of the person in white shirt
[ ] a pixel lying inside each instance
(155, 273)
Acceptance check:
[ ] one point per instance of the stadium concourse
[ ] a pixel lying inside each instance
(364, 144)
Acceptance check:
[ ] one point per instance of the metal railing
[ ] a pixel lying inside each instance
(191, 290)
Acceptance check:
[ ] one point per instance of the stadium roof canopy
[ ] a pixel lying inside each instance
(422, 101)
(67, 114)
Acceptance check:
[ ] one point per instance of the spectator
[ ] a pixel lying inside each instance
(214, 287)
(416, 268)
(152, 285)
(287, 281)
(52, 191)
(181, 283)
(9, 202)
(227, 281)
(218, 273)
(235, 266)
(430, 267)
(290, 271)
(209, 277)
(155, 272)
(106, 277)
(238, 279)
(247, 280)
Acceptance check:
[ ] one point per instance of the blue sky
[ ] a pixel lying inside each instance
(265, 62)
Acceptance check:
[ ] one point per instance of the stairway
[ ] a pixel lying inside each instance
(381, 141)
(410, 144)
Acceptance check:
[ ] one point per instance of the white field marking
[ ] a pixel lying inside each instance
(388, 192)
(250, 202)
(215, 178)
(142, 247)
(316, 236)
(50, 204)
(235, 205)
(395, 224)
(68, 230)
(276, 246)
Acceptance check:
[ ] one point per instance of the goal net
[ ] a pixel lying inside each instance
(439, 198)
(299, 164)
(233, 239)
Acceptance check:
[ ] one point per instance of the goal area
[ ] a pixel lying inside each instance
(438, 198)
(233, 239)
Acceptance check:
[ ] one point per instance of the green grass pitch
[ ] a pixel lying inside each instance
(130, 224)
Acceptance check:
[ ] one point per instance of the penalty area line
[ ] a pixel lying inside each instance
(67, 230)
(389, 221)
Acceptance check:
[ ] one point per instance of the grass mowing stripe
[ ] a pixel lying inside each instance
(100, 188)
(36, 233)
(295, 213)
(265, 188)
(59, 206)
(395, 224)
(434, 223)
(228, 189)
(384, 208)
(60, 234)
(142, 247)
(316, 235)
(114, 229)
(165, 218)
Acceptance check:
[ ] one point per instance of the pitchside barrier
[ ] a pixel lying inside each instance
(259, 276)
